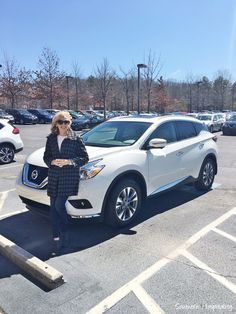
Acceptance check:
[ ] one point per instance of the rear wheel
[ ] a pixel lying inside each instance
(6, 154)
(206, 175)
(211, 129)
(123, 203)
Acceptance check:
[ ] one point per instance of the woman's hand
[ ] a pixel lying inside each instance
(60, 162)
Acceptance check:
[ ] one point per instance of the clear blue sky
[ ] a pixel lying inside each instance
(191, 36)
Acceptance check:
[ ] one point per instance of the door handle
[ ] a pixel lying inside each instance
(180, 153)
(201, 145)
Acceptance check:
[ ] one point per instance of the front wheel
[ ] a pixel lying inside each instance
(6, 154)
(123, 203)
(206, 175)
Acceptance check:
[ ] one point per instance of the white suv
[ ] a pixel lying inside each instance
(131, 158)
(10, 141)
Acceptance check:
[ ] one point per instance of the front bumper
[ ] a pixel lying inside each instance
(86, 204)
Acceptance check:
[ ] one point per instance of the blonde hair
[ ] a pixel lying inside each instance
(61, 115)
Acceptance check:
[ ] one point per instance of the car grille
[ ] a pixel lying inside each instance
(35, 176)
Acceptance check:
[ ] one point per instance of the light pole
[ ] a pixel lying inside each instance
(67, 91)
(198, 98)
(139, 66)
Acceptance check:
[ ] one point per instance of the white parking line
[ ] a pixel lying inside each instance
(229, 285)
(147, 301)
(225, 234)
(120, 293)
(3, 196)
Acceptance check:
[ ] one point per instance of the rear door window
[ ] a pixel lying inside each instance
(200, 127)
(185, 130)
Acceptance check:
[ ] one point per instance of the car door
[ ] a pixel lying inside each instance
(164, 167)
(191, 148)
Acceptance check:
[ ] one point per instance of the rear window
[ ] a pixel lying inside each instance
(185, 130)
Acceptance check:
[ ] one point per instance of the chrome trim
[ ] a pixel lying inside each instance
(168, 186)
(84, 216)
(29, 183)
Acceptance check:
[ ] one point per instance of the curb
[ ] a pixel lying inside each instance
(46, 274)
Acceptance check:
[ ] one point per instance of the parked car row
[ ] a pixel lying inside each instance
(218, 121)
(29, 116)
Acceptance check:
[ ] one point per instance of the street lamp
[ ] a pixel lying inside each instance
(198, 98)
(139, 66)
(67, 91)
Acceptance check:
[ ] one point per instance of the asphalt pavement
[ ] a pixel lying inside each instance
(178, 257)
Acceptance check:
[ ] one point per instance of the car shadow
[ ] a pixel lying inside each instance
(33, 232)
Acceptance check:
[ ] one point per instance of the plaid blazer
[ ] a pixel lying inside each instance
(64, 181)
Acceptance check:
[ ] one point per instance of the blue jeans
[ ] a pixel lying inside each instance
(59, 217)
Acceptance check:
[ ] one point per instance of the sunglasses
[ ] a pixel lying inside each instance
(60, 122)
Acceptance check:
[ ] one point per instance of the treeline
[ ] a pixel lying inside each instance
(50, 87)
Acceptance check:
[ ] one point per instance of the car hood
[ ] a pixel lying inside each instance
(36, 158)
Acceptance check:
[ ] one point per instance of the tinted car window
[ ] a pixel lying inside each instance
(199, 127)
(1, 126)
(185, 130)
(165, 131)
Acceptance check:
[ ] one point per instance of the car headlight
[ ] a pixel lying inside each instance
(91, 170)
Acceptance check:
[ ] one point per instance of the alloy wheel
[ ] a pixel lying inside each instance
(208, 174)
(6, 154)
(126, 203)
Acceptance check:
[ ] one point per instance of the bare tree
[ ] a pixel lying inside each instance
(150, 74)
(104, 75)
(221, 86)
(233, 94)
(48, 77)
(13, 80)
(190, 86)
(76, 70)
(128, 83)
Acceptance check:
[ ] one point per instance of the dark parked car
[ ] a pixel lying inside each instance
(229, 127)
(42, 115)
(80, 123)
(22, 116)
(5, 115)
(94, 119)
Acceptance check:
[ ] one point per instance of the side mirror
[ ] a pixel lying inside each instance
(157, 143)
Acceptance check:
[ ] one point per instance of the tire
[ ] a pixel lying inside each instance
(206, 175)
(211, 129)
(7, 154)
(115, 215)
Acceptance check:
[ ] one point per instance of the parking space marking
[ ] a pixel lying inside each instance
(3, 196)
(13, 213)
(120, 293)
(147, 300)
(225, 234)
(229, 285)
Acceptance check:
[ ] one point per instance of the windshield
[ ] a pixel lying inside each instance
(204, 118)
(115, 133)
(233, 118)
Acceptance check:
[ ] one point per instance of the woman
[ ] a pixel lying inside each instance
(64, 154)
